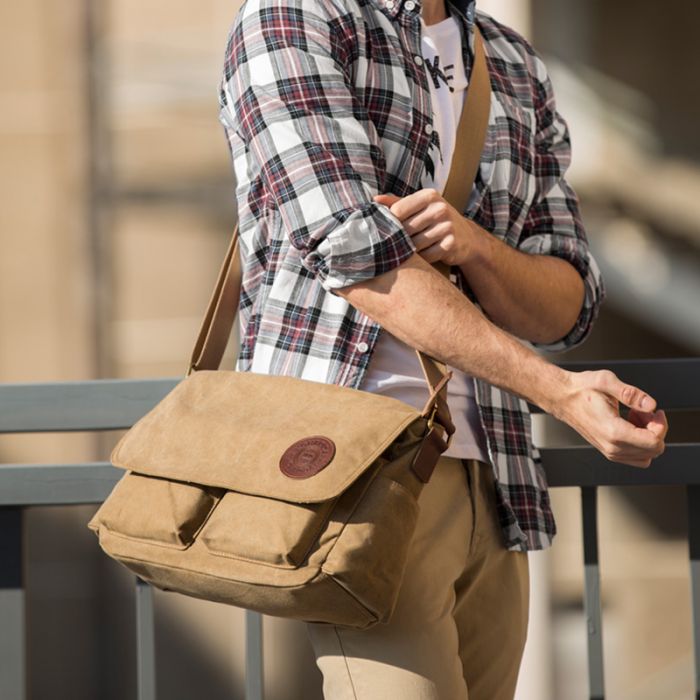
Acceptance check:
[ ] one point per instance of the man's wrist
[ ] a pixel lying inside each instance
(480, 250)
(550, 388)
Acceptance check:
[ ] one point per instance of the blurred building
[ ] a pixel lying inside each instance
(117, 208)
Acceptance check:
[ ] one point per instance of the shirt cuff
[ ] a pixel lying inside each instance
(368, 242)
(577, 253)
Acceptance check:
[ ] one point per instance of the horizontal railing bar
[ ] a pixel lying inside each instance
(56, 484)
(672, 382)
(101, 404)
(112, 404)
(583, 465)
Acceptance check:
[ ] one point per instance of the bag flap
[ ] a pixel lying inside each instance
(273, 436)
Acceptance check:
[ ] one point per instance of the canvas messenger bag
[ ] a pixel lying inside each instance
(290, 497)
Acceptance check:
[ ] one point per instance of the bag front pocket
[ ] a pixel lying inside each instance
(370, 555)
(265, 530)
(169, 513)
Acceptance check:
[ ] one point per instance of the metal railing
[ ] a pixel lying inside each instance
(117, 404)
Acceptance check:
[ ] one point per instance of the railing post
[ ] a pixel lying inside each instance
(589, 508)
(253, 656)
(694, 552)
(12, 630)
(145, 642)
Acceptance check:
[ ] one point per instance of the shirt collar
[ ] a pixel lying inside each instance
(467, 8)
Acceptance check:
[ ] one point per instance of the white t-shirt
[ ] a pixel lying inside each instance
(394, 369)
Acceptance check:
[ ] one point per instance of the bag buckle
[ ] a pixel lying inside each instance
(431, 417)
(432, 423)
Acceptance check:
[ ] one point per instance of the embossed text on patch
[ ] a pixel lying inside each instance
(307, 457)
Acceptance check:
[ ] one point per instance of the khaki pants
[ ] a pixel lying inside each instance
(459, 626)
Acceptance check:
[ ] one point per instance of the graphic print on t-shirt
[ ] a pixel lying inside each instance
(441, 47)
(439, 74)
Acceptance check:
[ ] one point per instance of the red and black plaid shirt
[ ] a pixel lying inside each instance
(326, 103)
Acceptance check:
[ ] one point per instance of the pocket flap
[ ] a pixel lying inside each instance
(279, 437)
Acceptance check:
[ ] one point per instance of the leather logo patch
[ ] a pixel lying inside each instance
(307, 457)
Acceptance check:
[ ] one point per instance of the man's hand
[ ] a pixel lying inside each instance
(590, 405)
(535, 297)
(438, 230)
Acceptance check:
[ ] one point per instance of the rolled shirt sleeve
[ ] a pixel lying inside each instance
(553, 225)
(311, 150)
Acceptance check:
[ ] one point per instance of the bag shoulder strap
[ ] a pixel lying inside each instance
(471, 133)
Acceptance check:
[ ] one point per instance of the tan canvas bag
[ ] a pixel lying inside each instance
(285, 496)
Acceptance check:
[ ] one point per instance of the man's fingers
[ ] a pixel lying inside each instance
(626, 435)
(655, 421)
(626, 394)
(660, 420)
(643, 464)
(411, 203)
(386, 199)
(426, 238)
(421, 241)
(433, 253)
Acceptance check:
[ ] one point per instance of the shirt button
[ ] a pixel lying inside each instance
(410, 5)
(362, 347)
(418, 60)
(428, 128)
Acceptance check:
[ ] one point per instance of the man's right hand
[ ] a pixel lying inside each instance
(590, 405)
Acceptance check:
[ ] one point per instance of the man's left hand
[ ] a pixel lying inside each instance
(438, 230)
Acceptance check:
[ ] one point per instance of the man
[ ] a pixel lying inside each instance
(341, 142)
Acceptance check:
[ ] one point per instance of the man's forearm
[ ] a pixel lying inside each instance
(420, 307)
(535, 297)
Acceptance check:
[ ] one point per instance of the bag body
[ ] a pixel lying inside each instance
(310, 526)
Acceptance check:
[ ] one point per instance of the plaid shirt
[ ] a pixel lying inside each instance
(326, 103)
